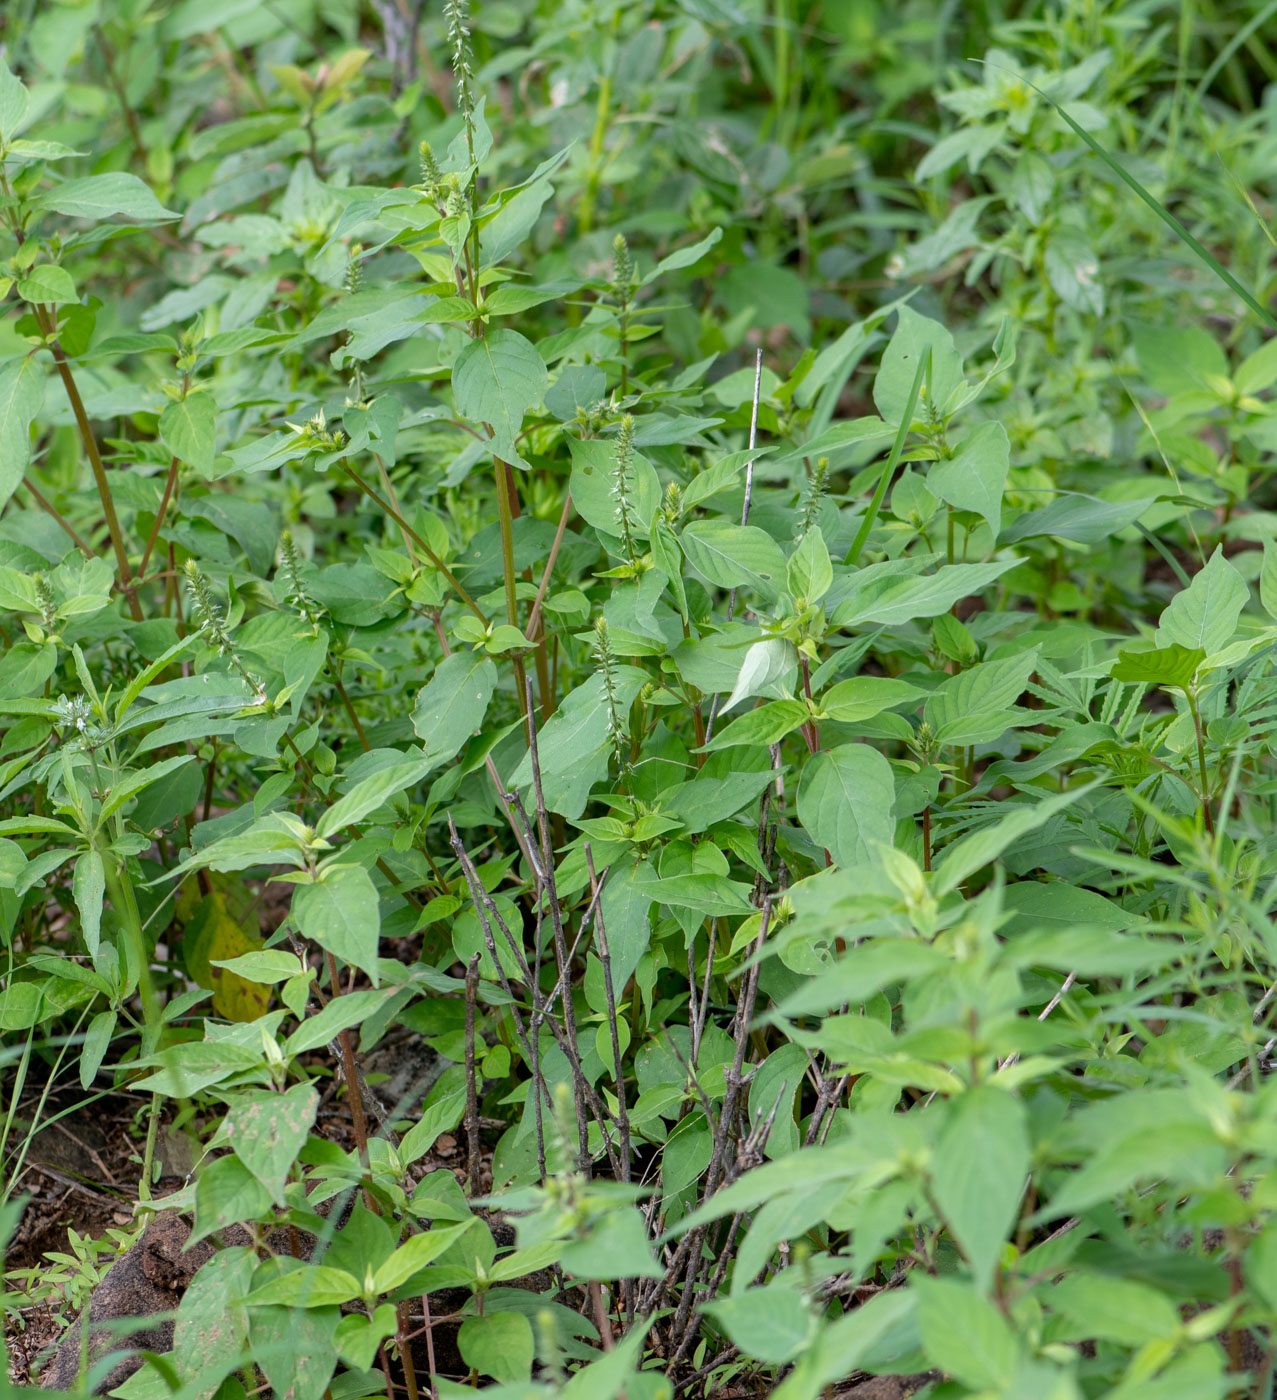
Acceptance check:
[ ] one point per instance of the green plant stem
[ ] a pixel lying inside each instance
(602, 116)
(420, 543)
(1201, 761)
(335, 673)
(120, 889)
(50, 509)
(95, 463)
(148, 1152)
(170, 483)
(893, 458)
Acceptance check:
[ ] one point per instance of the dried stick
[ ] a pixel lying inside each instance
(472, 1095)
(605, 957)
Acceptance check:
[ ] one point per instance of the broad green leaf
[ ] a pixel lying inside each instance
(47, 283)
(972, 853)
(342, 913)
(593, 486)
(982, 1169)
(268, 1130)
(810, 572)
(14, 102)
(312, 1285)
(134, 783)
(188, 429)
(226, 1192)
(266, 965)
(496, 379)
(913, 337)
(575, 746)
(21, 394)
(1205, 614)
(340, 1014)
(101, 196)
(415, 1253)
(764, 666)
(862, 697)
(212, 1323)
(1172, 666)
(1076, 517)
(187, 1068)
(840, 1348)
(990, 687)
(771, 1324)
(964, 1334)
(845, 799)
(97, 1041)
(295, 1349)
(88, 885)
(452, 705)
(499, 1344)
(616, 1246)
(975, 476)
(439, 1117)
(684, 257)
(1115, 1309)
(766, 725)
(896, 600)
(372, 792)
(734, 556)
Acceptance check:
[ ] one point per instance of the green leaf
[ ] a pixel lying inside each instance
(14, 101)
(593, 483)
(862, 697)
(988, 688)
(1115, 1309)
(97, 1041)
(452, 705)
(964, 1334)
(415, 1254)
(372, 792)
(295, 1349)
(914, 336)
(129, 787)
(765, 666)
(845, 799)
(496, 380)
(1205, 614)
(768, 724)
(975, 476)
(1173, 666)
(771, 1323)
(809, 572)
(734, 556)
(342, 914)
(1085, 519)
(499, 1345)
(21, 394)
(684, 257)
(226, 1192)
(439, 1117)
(615, 1247)
(196, 1065)
(984, 1164)
(88, 885)
(896, 600)
(48, 283)
(341, 1013)
(972, 853)
(101, 196)
(266, 965)
(268, 1130)
(188, 429)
